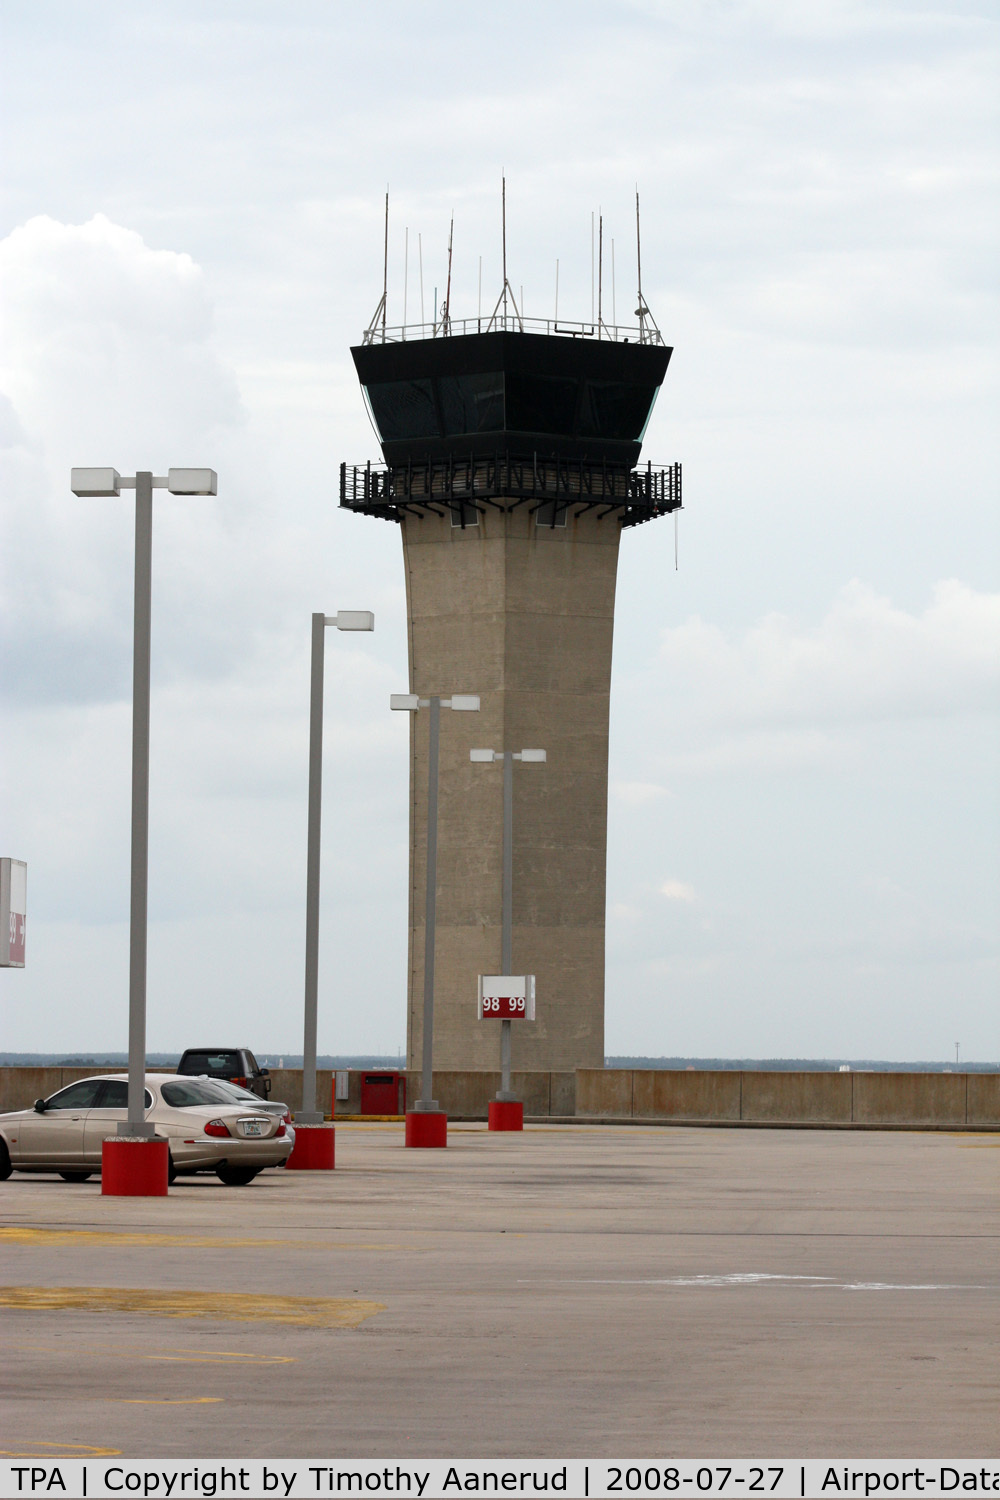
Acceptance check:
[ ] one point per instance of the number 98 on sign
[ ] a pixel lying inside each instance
(506, 997)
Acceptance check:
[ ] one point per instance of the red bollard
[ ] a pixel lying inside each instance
(506, 1114)
(426, 1128)
(313, 1150)
(135, 1166)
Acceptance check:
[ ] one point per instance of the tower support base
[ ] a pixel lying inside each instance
(506, 1114)
(313, 1150)
(135, 1167)
(426, 1128)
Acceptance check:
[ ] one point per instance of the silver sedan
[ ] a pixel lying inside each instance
(206, 1129)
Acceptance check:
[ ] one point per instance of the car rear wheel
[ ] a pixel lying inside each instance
(171, 1171)
(5, 1166)
(236, 1176)
(76, 1176)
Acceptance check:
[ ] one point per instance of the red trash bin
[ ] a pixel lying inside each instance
(383, 1093)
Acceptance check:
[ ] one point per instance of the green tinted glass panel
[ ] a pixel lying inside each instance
(471, 403)
(404, 409)
(542, 403)
(613, 409)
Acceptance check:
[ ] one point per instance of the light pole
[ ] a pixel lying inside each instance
(426, 1123)
(314, 1145)
(137, 1162)
(507, 1119)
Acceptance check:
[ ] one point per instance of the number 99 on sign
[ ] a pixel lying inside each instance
(507, 997)
(506, 1006)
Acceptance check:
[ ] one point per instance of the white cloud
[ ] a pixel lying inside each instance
(865, 660)
(107, 359)
(638, 793)
(677, 890)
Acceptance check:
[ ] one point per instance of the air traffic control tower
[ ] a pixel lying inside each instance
(511, 466)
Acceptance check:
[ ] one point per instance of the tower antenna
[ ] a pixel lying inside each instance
(507, 292)
(385, 265)
(614, 302)
(379, 313)
(445, 314)
(600, 268)
(591, 265)
(503, 220)
(406, 270)
(649, 335)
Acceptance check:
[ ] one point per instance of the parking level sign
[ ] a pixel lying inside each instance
(13, 910)
(506, 997)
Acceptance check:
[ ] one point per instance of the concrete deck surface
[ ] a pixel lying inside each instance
(575, 1291)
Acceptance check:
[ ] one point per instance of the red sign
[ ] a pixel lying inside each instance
(504, 1007)
(13, 906)
(506, 997)
(17, 937)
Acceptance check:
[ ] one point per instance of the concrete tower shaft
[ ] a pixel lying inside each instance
(509, 466)
(523, 615)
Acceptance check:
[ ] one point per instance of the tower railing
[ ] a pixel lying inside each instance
(559, 487)
(645, 332)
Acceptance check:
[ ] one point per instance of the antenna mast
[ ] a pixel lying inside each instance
(503, 219)
(600, 268)
(385, 269)
(508, 290)
(445, 311)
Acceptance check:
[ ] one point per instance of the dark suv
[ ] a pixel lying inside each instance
(236, 1064)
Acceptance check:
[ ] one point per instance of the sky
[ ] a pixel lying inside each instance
(803, 815)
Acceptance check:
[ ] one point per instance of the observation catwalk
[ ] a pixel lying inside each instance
(510, 465)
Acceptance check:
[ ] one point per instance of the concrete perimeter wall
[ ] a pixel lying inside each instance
(790, 1098)
(835, 1099)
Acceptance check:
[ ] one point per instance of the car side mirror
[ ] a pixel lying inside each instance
(265, 1072)
(40, 1106)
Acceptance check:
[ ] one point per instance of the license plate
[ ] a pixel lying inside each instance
(253, 1127)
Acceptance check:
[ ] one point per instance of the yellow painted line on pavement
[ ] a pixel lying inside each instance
(60, 1450)
(177, 1356)
(19, 1235)
(162, 1400)
(241, 1307)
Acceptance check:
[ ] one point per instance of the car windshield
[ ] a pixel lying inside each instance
(189, 1091)
(211, 1062)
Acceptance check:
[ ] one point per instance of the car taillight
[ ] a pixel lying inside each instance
(287, 1117)
(281, 1128)
(217, 1127)
(239, 1082)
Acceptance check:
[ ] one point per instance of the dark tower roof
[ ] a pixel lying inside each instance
(521, 393)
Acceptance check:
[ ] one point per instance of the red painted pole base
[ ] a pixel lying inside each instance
(313, 1150)
(134, 1167)
(506, 1114)
(426, 1128)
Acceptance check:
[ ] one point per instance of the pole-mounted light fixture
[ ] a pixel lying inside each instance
(314, 1148)
(139, 1177)
(506, 1111)
(426, 1124)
